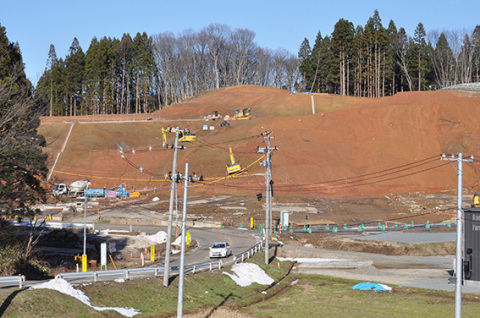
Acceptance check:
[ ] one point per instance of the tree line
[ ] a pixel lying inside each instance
(374, 61)
(146, 73)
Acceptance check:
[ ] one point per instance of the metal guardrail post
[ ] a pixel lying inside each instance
(235, 259)
(22, 279)
(219, 265)
(156, 271)
(194, 269)
(126, 274)
(95, 277)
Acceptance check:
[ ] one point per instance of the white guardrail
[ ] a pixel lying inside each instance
(138, 272)
(12, 280)
(156, 271)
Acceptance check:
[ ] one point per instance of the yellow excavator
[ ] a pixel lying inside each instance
(233, 167)
(242, 113)
(184, 135)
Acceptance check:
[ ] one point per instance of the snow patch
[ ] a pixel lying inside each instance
(248, 273)
(178, 241)
(159, 238)
(64, 287)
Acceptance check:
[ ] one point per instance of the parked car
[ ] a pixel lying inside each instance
(220, 249)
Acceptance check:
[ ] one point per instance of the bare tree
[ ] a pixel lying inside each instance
(400, 46)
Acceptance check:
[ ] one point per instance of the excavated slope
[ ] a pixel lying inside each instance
(349, 147)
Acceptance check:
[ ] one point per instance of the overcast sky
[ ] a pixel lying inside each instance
(278, 24)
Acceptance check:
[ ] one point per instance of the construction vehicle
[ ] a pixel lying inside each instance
(242, 113)
(77, 188)
(233, 167)
(214, 116)
(60, 189)
(183, 135)
(115, 192)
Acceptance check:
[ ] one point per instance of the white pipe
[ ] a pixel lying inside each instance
(63, 148)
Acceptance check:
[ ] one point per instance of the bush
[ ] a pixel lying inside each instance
(12, 256)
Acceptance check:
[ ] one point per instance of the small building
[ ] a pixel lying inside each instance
(471, 252)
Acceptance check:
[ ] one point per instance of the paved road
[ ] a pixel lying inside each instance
(431, 272)
(240, 240)
(407, 237)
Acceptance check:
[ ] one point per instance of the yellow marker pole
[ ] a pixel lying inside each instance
(152, 253)
(112, 261)
(251, 223)
(84, 262)
(188, 238)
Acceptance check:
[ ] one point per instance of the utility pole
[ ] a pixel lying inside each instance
(269, 190)
(458, 256)
(170, 210)
(182, 254)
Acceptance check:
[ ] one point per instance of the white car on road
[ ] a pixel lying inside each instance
(220, 249)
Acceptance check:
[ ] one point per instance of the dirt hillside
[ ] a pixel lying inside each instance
(349, 147)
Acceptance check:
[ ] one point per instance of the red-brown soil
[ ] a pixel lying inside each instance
(350, 147)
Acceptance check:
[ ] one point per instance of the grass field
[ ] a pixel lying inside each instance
(213, 294)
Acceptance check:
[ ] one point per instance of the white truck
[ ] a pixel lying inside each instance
(60, 189)
(76, 188)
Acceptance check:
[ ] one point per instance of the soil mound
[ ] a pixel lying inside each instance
(328, 145)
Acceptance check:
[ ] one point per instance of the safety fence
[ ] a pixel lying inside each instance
(247, 254)
(158, 271)
(8, 281)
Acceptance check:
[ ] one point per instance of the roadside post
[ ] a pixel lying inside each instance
(103, 256)
(84, 263)
(84, 256)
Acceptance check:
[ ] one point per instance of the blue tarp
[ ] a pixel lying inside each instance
(372, 286)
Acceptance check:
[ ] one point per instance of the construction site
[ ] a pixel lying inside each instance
(338, 160)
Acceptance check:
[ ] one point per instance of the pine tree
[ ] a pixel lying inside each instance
(476, 54)
(74, 75)
(320, 60)
(124, 50)
(418, 56)
(443, 62)
(341, 45)
(305, 62)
